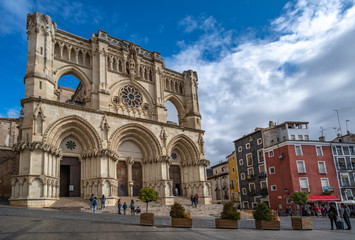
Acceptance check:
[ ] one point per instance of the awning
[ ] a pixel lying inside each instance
(349, 202)
(323, 198)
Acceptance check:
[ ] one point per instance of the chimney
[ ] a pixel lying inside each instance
(322, 139)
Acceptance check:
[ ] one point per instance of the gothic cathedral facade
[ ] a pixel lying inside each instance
(111, 136)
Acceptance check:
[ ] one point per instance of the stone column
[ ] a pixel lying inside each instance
(129, 162)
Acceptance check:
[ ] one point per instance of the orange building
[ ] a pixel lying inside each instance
(233, 177)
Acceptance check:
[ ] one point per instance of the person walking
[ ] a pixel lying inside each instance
(345, 214)
(94, 204)
(132, 207)
(332, 214)
(103, 200)
(192, 200)
(176, 192)
(91, 200)
(196, 200)
(119, 205)
(124, 208)
(316, 209)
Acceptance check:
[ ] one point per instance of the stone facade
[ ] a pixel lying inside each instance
(220, 183)
(114, 126)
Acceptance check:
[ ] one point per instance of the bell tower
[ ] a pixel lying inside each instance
(193, 116)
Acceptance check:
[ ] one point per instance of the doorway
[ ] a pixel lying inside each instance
(175, 175)
(70, 177)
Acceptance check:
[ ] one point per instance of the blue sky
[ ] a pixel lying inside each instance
(257, 60)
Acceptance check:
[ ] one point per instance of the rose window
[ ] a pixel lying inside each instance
(70, 145)
(131, 97)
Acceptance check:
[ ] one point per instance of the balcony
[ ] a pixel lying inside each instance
(262, 175)
(250, 177)
(342, 167)
(346, 183)
(253, 193)
(264, 192)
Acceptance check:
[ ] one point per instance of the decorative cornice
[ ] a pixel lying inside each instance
(21, 146)
(100, 152)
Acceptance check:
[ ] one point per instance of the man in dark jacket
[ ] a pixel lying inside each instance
(332, 214)
(345, 213)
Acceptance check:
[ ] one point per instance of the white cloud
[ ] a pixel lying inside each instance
(13, 113)
(304, 74)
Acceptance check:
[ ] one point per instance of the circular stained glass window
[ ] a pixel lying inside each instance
(173, 156)
(131, 97)
(71, 145)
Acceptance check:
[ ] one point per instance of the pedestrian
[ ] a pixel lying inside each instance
(138, 210)
(322, 210)
(91, 200)
(119, 205)
(345, 213)
(103, 200)
(196, 199)
(124, 208)
(132, 207)
(192, 200)
(94, 204)
(176, 192)
(332, 214)
(289, 211)
(316, 209)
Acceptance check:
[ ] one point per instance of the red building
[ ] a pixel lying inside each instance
(294, 166)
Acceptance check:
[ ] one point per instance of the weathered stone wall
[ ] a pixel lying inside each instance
(9, 165)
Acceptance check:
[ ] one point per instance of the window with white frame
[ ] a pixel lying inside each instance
(240, 161)
(324, 182)
(271, 153)
(250, 171)
(247, 146)
(263, 185)
(262, 168)
(345, 181)
(300, 137)
(349, 194)
(352, 150)
(306, 137)
(240, 149)
(242, 176)
(288, 201)
(272, 170)
(273, 187)
(293, 137)
(251, 187)
(298, 150)
(321, 166)
(339, 150)
(304, 186)
(249, 159)
(253, 204)
(301, 167)
(246, 205)
(319, 151)
(260, 156)
(259, 141)
(244, 191)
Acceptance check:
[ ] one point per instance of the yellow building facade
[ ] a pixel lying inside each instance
(233, 177)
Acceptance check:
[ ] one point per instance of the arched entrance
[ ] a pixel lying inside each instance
(70, 177)
(175, 176)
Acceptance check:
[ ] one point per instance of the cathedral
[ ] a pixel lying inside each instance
(110, 135)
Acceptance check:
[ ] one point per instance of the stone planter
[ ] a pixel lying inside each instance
(304, 223)
(267, 225)
(181, 222)
(147, 219)
(226, 223)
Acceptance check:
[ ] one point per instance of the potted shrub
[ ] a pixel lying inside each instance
(179, 217)
(147, 195)
(299, 222)
(229, 217)
(264, 219)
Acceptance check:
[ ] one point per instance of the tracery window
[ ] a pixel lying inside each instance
(131, 97)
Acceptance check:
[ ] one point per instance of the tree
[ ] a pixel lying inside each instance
(148, 195)
(300, 198)
(230, 212)
(262, 212)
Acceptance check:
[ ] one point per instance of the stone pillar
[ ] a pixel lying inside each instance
(129, 162)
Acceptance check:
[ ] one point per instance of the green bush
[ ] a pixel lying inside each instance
(230, 212)
(148, 195)
(300, 198)
(178, 211)
(262, 212)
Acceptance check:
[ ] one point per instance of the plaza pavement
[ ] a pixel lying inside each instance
(23, 223)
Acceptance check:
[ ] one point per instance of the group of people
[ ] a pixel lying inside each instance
(94, 203)
(344, 215)
(125, 206)
(194, 200)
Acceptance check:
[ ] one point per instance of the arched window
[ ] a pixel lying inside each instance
(172, 115)
(71, 90)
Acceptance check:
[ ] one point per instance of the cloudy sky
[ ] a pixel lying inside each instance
(256, 60)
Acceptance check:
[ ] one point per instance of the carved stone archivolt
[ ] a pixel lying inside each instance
(21, 146)
(100, 153)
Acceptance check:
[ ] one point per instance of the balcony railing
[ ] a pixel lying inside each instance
(346, 184)
(342, 167)
(253, 193)
(264, 191)
(262, 175)
(328, 190)
(250, 177)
